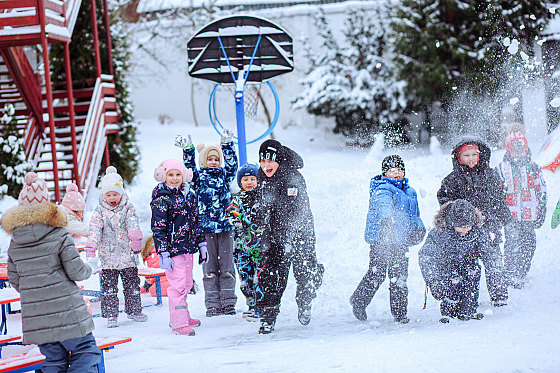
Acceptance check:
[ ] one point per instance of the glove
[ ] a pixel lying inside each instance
(541, 215)
(203, 256)
(226, 136)
(233, 209)
(416, 237)
(94, 264)
(165, 261)
(183, 142)
(90, 249)
(135, 237)
(386, 232)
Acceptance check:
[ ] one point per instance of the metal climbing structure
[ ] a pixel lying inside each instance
(65, 129)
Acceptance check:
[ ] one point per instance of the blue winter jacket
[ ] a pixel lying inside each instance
(175, 224)
(392, 198)
(212, 187)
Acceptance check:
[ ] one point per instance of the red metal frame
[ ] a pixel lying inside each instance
(46, 62)
(95, 38)
(71, 113)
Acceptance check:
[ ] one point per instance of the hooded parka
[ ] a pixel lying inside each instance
(43, 265)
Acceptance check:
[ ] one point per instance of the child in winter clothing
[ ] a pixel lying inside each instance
(115, 231)
(151, 258)
(393, 224)
(247, 236)
(472, 179)
(526, 198)
(211, 182)
(288, 234)
(42, 256)
(73, 205)
(449, 259)
(177, 236)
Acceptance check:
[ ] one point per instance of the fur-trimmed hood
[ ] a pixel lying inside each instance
(440, 223)
(44, 213)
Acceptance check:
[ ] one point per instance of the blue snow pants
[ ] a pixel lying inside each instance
(84, 357)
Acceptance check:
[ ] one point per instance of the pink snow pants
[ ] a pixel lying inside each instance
(180, 280)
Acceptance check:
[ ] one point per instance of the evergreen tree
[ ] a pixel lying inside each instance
(354, 83)
(443, 47)
(124, 153)
(13, 163)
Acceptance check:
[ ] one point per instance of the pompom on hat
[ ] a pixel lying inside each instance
(34, 191)
(73, 199)
(160, 173)
(208, 150)
(112, 182)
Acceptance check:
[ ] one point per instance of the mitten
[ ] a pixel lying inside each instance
(203, 256)
(94, 264)
(233, 209)
(555, 217)
(165, 261)
(183, 142)
(90, 249)
(226, 136)
(416, 237)
(541, 215)
(135, 237)
(386, 232)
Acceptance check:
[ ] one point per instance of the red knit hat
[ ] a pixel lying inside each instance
(73, 199)
(34, 191)
(467, 146)
(516, 137)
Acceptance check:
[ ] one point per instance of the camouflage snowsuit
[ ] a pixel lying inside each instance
(212, 187)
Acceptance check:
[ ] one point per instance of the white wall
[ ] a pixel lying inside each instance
(158, 90)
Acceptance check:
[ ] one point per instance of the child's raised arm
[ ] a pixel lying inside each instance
(230, 157)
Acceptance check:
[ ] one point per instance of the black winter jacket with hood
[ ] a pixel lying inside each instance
(284, 214)
(479, 185)
(446, 258)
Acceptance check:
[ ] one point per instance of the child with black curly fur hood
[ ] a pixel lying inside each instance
(449, 260)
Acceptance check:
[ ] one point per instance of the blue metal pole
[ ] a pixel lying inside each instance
(240, 114)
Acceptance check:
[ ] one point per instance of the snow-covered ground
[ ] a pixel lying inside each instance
(524, 336)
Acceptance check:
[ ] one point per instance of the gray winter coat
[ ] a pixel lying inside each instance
(43, 265)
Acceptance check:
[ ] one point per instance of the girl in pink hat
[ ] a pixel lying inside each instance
(73, 205)
(177, 236)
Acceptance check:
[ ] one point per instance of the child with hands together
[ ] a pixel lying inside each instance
(115, 231)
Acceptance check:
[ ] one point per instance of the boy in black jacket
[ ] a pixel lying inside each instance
(286, 220)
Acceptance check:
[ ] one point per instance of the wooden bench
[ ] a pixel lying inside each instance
(32, 360)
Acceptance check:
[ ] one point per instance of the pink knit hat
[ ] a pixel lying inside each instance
(34, 191)
(160, 172)
(73, 199)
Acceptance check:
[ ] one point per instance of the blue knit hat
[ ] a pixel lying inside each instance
(247, 169)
